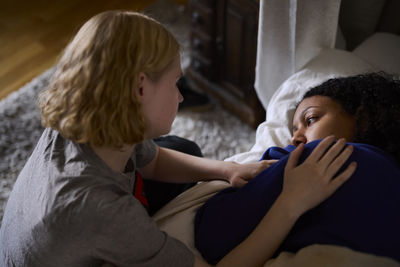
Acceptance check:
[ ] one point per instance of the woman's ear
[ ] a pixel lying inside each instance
(140, 90)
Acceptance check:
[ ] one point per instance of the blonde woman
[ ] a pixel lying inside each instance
(78, 200)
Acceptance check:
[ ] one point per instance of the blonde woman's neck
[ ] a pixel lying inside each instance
(115, 158)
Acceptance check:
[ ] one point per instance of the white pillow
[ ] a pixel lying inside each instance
(381, 50)
(276, 130)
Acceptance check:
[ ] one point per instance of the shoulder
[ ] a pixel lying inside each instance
(375, 155)
(144, 153)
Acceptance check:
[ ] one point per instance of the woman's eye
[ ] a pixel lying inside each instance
(311, 120)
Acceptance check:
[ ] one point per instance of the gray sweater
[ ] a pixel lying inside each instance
(68, 208)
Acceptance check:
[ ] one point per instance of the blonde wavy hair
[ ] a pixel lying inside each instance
(91, 97)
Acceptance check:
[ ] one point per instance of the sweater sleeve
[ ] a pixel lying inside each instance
(144, 153)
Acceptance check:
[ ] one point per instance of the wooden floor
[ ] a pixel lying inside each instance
(33, 33)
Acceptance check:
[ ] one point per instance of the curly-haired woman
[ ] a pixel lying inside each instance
(369, 103)
(363, 213)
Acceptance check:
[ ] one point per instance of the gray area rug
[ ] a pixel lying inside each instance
(218, 133)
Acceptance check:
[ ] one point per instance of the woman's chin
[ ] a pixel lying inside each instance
(155, 134)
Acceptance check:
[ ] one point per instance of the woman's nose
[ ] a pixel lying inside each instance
(298, 138)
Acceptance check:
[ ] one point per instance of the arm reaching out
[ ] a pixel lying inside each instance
(173, 166)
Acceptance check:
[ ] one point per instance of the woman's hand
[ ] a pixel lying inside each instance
(307, 185)
(239, 174)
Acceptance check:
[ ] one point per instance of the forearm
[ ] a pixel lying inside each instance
(174, 166)
(262, 243)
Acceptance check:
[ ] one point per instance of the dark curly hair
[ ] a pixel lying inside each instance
(374, 100)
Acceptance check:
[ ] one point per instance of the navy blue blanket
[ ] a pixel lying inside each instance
(363, 214)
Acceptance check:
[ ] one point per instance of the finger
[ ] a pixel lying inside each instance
(319, 151)
(332, 152)
(294, 157)
(239, 183)
(268, 163)
(338, 162)
(343, 177)
(272, 161)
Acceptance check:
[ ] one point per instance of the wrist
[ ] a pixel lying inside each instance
(228, 170)
(289, 207)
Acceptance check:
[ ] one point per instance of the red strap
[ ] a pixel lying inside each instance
(138, 190)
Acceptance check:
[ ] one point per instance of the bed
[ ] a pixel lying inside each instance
(374, 47)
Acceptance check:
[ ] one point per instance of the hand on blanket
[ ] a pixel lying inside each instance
(240, 174)
(307, 185)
